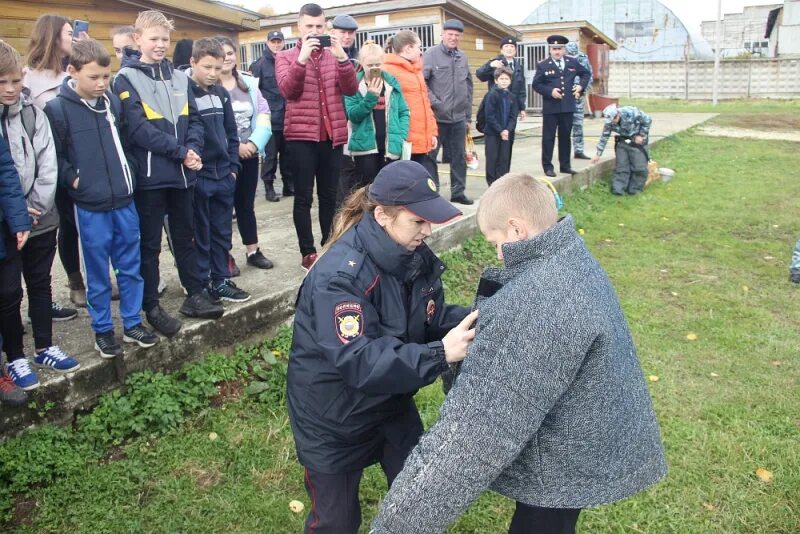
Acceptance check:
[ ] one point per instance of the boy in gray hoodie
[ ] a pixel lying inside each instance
(27, 132)
(550, 407)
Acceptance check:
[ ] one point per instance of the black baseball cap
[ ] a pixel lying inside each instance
(407, 184)
(275, 36)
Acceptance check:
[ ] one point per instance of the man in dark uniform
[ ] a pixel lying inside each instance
(560, 80)
(264, 70)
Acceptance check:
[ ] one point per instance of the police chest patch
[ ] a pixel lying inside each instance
(349, 319)
(430, 311)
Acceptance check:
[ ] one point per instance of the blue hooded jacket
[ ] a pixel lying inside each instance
(87, 149)
(221, 140)
(13, 209)
(161, 121)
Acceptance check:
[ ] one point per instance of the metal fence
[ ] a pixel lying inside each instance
(692, 80)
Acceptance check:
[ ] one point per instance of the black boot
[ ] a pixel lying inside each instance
(271, 195)
(288, 189)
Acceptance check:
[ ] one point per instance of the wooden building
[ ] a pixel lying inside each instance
(377, 21)
(193, 18)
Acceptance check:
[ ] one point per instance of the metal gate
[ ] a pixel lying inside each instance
(530, 54)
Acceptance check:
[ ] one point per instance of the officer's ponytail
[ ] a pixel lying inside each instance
(351, 212)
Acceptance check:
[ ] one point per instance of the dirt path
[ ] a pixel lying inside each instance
(720, 131)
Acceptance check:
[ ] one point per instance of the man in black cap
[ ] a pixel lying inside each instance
(507, 59)
(447, 73)
(344, 28)
(561, 80)
(264, 69)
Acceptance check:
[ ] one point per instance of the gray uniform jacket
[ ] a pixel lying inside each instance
(550, 408)
(449, 84)
(39, 189)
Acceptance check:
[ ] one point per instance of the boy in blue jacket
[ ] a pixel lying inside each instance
(216, 181)
(166, 137)
(14, 213)
(501, 110)
(93, 167)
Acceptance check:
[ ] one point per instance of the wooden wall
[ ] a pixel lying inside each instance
(20, 15)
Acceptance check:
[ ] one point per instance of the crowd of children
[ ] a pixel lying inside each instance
(104, 166)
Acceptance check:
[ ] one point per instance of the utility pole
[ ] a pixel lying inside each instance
(717, 52)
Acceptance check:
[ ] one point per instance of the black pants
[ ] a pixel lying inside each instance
(37, 262)
(368, 167)
(350, 179)
(533, 520)
(561, 123)
(498, 157)
(430, 165)
(10, 299)
(335, 508)
(452, 137)
(276, 157)
(312, 161)
(68, 249)
(244, 201)
(177, 204)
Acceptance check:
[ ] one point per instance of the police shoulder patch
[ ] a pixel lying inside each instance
(349, 321)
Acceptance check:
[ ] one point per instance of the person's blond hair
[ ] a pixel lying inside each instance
(152, 18)
(517, 195)
(122, 30)
(10, 60)
(352, 211)
(370, 48)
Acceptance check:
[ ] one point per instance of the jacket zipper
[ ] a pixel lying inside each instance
(105, 161)
(174, 118)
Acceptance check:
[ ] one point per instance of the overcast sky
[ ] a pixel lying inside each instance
(691, 12)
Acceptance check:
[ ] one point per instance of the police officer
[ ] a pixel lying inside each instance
(580, 105)
(371, 328)
(560, 80)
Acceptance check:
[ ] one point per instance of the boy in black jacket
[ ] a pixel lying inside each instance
(216, 181)
(501, 120)
(92, 165)
(166, 137)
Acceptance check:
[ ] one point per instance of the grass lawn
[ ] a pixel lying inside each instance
(700, 266)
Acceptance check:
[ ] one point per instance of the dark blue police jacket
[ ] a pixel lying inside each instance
(548, 77)
(367, 335)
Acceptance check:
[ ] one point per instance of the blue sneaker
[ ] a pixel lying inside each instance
(21, 373)
(56, 359)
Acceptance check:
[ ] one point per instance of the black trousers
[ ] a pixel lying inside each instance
(275, 157)
(335, 508)
(452, 137)
(534, 520)
(368, 167)
(498, 157)
(178, 205)
(313, 161)
(68, 249)
(37, 263)
(430, 165)
(350, 179)
(560, 123)
(244, 201)
(10, 299)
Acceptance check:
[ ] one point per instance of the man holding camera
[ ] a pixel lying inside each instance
(314, 77)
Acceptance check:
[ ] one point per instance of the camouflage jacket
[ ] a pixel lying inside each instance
(633, 122)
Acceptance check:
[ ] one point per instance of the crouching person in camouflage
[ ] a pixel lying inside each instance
(632, 128)
(550, 407)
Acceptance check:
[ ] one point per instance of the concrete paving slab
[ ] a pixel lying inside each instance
(273, 290)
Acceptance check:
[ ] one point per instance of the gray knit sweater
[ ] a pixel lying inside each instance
(550, 408)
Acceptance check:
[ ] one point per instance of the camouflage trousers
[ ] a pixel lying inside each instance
(577, 126)
(794, 266)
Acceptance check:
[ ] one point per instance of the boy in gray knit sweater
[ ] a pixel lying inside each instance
(550, 407)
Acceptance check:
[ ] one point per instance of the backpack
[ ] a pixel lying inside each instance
(480, 118)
